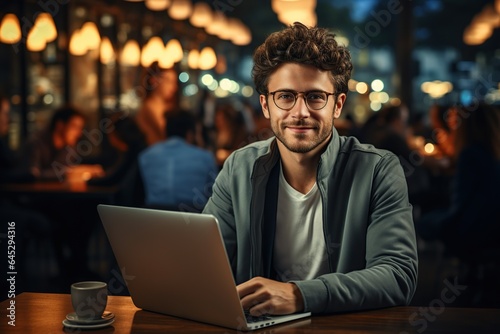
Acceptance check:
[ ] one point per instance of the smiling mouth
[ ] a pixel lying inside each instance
(300, 128)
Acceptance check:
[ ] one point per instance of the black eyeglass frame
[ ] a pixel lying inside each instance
(296, 95)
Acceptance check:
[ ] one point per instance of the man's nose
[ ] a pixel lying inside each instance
(300, 110)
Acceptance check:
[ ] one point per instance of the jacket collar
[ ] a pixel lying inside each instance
(329, 157)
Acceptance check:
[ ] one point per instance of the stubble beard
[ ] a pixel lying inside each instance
(302, 144)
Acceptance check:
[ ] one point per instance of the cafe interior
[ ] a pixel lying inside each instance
(421, 69)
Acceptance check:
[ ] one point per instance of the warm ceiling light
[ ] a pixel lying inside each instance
(207, 59)
(157, 4)
(152, 51)
(202, 15)
(44, 23)
(90, 35)
(487, 15)
(174, 50)
(436, 89)
(131, 54)
(35, 41)
(244, 37)
(225, 31)
(217, 25)
(10, 30)
(107, 53)
(280, 6)
(193, 58)
(77, 46)
(180, 9)
(480, 30)
(241, 35)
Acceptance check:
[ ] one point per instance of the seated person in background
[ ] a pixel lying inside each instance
(472, 221)
(231, 131)
(161, 90)
(176, 173)
(392, 133)
(51, 153)
(313, 221)
(443, 119)
(128, 140)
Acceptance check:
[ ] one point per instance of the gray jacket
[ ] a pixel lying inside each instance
(367, 221)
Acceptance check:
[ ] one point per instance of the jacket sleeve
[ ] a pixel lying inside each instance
(390, 274)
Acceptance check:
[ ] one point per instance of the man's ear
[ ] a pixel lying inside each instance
(265, 107)
(339, 104)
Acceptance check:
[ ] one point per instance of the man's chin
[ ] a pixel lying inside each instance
(302, 147)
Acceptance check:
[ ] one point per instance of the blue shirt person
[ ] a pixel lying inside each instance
(176, 173)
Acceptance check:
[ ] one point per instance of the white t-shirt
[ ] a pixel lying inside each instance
(299, 244)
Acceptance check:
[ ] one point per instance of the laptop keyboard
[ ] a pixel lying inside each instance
(251, 318)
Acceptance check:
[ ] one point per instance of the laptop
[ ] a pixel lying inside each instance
(175, 263)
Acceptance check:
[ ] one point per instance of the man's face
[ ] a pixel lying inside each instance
(299, 129)
(72, 131)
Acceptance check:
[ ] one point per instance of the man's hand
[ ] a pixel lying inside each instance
(264, 296)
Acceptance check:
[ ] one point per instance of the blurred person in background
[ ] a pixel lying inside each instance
(161, 89)
(128, 141)
(469, 227)
(443, 120)
(205, 112)
(231, 131)
(392, 134)
(52, 152)
(472, 221)
(177, 174)
(389, 129)
(55, 154)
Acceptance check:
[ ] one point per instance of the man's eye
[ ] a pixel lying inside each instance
(315, 97)
(286, 96)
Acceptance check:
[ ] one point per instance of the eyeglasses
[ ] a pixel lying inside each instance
(314, 99)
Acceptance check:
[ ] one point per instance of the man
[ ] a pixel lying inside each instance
(176, 173)
(52, 152)
(313, 221)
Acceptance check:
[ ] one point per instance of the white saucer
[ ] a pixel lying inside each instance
(70, 324)
(73, 318)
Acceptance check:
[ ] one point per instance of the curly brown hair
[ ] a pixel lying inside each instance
(302, 45)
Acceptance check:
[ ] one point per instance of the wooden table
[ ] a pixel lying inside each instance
(43, 313)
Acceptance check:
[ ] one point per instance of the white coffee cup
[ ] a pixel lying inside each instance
(89, 299)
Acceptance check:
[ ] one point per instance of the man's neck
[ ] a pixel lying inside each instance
(300, 169)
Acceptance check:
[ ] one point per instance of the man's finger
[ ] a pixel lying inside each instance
(248, 287)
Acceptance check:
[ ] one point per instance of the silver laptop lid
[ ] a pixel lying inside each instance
(176, 263)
